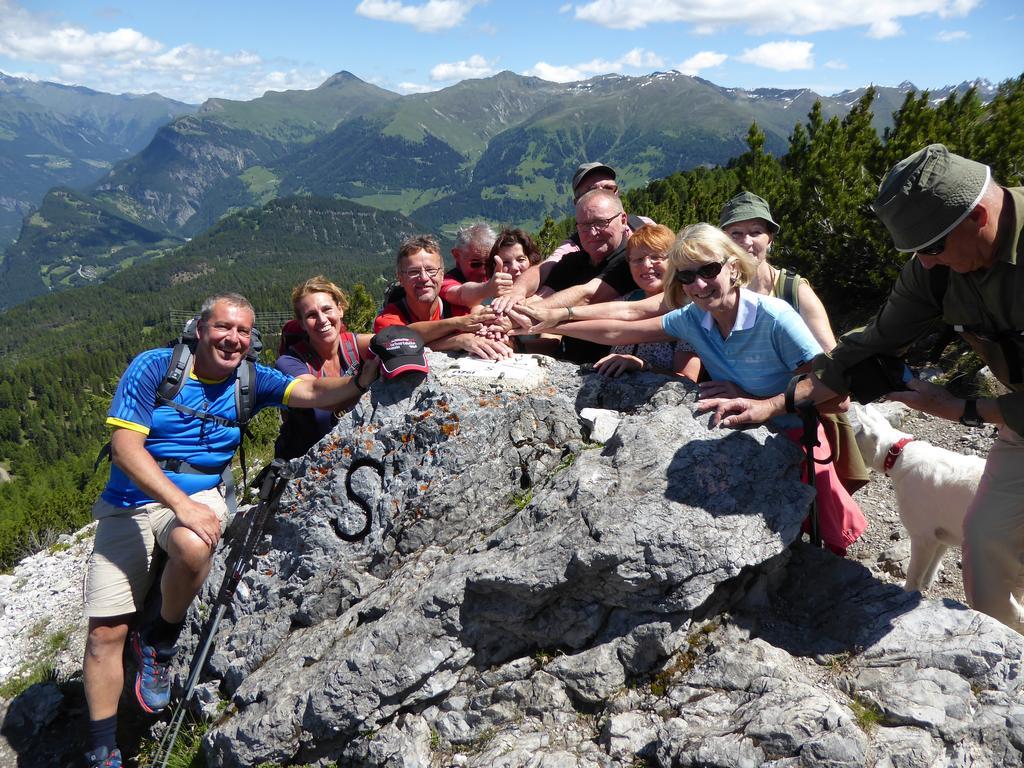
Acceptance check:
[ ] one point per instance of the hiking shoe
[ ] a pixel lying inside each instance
(103, 758)
(153, 676)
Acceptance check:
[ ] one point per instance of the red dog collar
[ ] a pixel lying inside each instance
(894, 453)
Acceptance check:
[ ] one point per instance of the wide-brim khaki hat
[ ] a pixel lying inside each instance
(925, 196)
(746, 206)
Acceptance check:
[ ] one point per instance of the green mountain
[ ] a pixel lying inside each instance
(57, 135)
(201, 166)
(501, 148)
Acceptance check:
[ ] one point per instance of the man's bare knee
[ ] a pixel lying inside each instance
(188, 551)
(106, 635)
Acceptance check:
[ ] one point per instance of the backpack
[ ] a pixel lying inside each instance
(295, 341)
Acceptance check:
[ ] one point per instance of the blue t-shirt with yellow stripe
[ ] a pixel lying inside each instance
(171, 434)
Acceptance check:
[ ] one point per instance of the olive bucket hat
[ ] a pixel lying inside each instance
(746, 206)
(927, 194)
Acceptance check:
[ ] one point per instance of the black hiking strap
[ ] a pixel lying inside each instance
(182, 467)
(204, 415)
(359, 501)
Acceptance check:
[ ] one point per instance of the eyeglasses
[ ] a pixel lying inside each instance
(412, 274)
(597, 225)
(654, 258)
(707, 271)
(934, 249)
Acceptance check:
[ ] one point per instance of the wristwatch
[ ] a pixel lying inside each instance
(970, 417)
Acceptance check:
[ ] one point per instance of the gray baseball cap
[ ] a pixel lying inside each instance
(586, 168)
(745, 206)
(926, 195)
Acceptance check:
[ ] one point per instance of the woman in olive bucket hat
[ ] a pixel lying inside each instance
(747, 219)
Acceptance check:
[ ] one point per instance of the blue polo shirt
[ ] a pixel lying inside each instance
(171, 434)
(768, 341)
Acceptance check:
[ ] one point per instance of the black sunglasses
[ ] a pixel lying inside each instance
(708, 272)
(934, 249)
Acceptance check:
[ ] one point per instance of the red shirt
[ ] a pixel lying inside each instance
(398, 313)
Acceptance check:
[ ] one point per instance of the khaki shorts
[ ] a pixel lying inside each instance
(119, 571)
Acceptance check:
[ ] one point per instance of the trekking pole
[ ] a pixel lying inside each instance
(272, 482)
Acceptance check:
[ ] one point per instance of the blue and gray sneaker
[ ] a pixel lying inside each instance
(153, 675)
(102, 757)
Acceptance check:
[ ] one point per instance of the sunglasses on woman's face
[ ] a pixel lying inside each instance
(707, 271)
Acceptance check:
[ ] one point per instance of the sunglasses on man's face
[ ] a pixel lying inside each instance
(707, 271)
(934, 249)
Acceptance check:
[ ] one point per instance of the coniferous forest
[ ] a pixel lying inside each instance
(62, 354)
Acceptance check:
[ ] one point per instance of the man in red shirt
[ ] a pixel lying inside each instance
(444, 327)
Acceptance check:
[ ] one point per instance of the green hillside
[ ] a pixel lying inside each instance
(74, 240)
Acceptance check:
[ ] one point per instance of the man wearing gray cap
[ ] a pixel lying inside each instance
(964, 231)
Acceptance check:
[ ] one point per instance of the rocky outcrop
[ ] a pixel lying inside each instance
(529, 597)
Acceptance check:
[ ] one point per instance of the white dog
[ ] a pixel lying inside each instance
(933, 486)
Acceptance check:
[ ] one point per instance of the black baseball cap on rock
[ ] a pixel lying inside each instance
(400, 350)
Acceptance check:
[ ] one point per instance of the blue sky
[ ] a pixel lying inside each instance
(192, 50)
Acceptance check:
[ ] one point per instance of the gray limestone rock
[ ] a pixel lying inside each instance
(529, 598)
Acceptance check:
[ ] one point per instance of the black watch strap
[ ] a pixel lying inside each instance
(970, 417)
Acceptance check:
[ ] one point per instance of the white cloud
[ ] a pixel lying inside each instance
(952, 36)
(700, 61)
(415, 88)
(782, 56)
(836, 64)
(637, 58)
(797, 17)
(432, 16)
(475, 66)
(27, 36)
(127, 61)
(555, 73)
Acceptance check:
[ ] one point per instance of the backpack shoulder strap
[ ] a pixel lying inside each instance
(788, 284)
(245, 392)
(180, 364)
(350, 351)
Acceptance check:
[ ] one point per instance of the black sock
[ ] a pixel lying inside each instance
(103, 733)
(162, 635)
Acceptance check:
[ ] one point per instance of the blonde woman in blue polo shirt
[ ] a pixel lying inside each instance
(750, 345)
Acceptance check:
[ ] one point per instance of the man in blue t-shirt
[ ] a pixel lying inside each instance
(165, 488)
